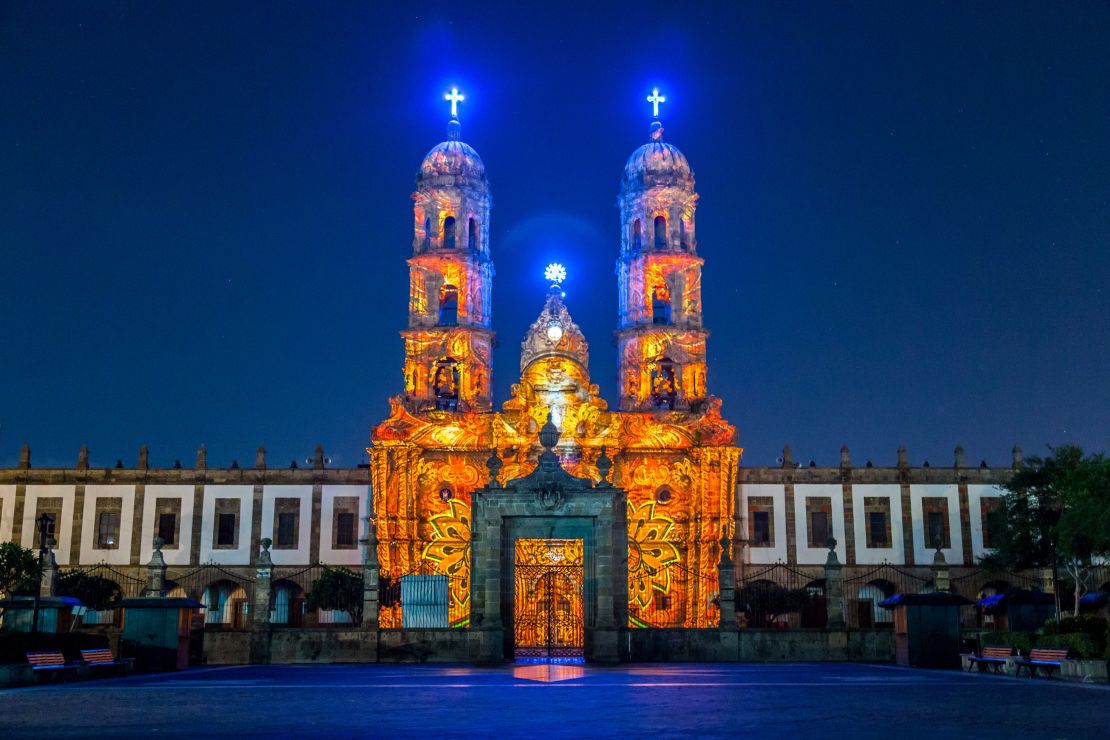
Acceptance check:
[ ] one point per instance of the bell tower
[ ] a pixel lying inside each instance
(448, 342)
(660, 338)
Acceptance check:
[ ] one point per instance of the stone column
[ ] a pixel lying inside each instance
(156, 571)
(371, 571)
(260, 608)
(48, 581)
(726, 580)
(834, 589)
(941, 581)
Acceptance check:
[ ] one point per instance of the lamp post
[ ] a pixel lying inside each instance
(44, 523)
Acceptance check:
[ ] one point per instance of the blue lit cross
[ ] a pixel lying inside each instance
(655, 99)
(454, 97)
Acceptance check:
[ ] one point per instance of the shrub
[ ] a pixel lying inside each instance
(337, 588)
(1023, 641)
(1081, 645)
(1089, 625)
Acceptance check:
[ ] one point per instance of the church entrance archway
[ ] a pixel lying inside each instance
(548, 609)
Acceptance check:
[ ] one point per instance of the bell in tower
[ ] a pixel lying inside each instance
(660, 339)
(448, 341)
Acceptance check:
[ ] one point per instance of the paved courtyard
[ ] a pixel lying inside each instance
(763, 701)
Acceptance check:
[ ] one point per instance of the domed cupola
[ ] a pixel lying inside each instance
(452, 196)
(660, 339)
(657, 164)
(449, 340)
(452, 163)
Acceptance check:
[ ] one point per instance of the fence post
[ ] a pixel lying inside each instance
(260, 609)
(48, 582)
(834, 590)
(726, 585)
(941, 581)
(370, 574)
(156, 571)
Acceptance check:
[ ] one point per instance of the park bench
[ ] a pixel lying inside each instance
(1045, 659)
(994, 656)
(103, 658)
(48, 662)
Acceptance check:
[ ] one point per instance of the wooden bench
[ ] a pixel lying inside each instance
(1045, 659)
(103, 658)
(994, 656)
(50, 662)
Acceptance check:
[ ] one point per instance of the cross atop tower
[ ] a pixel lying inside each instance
(454, 97)
(655, 99)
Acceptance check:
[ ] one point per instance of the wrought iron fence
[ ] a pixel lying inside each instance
(779, 597)
(227, 596)
(319, 595)
(99, 587)
(864, 593)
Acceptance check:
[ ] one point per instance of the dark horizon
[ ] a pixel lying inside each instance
(904, 215)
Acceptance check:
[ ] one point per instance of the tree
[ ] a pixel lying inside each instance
(1056, 512)
(764, 602)
(337, 588)
(95, 592)
(19, 569)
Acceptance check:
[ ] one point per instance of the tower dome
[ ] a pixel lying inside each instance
(657, 164)
(454, 159)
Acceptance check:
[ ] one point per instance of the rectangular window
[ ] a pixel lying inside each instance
(987, 507)
(876, 529)
(225, 530)
(167, 527)
(345, 529)
(761, 529)
(287, 529)
(936, 529)
(818, 528)
(107, 530)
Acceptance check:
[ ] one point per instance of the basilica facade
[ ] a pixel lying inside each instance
(672, 452)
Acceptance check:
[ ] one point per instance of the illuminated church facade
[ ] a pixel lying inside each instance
(672, 453)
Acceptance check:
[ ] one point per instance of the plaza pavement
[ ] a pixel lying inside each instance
(827, 700)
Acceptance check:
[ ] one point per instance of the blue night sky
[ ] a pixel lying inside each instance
(205, 214)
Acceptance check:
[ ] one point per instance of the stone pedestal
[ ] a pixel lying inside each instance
(260, 607)
(834, 590)
(726, 585)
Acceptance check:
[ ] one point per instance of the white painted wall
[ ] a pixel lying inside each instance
(63, 530)
(327, 508)
(298, 556)
(7, 512)
(180, 554)
(90, 553)
(865, 555)
(226, 556)
(818, 555)
(777, 493)
(922, 554)
(975, 495)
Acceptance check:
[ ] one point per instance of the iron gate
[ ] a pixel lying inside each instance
(547, 599)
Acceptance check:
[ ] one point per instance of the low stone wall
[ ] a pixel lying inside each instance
(751, 645)
(426, 646)
(323, 646)
(227, 648)
(304, 645)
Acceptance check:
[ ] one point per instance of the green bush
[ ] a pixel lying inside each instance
(15, 645)
(1023, 641)
(1081, 645)
(1089, 625)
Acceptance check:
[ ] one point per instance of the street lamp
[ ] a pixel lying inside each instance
(44, 522)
